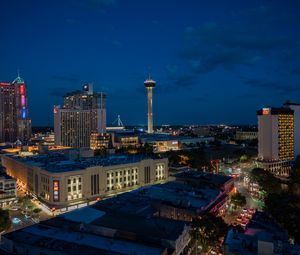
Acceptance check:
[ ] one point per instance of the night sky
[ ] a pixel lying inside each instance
(213, 61)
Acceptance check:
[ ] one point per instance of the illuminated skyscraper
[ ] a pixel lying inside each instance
(83, 113)
(150, 84)
(276, 139)
(14, 122)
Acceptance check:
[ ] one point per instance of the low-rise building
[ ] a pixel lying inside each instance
(245, 135)
(8, 189)
(125, 139)
(61, 181)
(112, 226)
(100, 141)
(262, 236)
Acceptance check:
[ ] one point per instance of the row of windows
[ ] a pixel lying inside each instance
(120, 186)
(117, 180)
(45, 179)
(74, 188)
(46, 187)
(74, 180)
(7, 185)
(124, 172)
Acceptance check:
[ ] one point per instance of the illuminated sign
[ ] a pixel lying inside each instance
(54, 109)
(23, 100)
(266, 111)
(5, 84)
(23, 113)
(56, 190)
(22, 90)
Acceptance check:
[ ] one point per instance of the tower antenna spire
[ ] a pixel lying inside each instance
(149, 73)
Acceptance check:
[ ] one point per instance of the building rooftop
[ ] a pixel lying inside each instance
(58, 162)
(261, 228)
(172, 193)
(64, 239)
(216, 179)
(275, 111)
(105, 228)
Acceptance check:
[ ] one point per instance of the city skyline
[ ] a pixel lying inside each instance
(213, 63)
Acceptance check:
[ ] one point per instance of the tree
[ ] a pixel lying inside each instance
(36, 210)
(5, 221)
(238, 200)
(285, 209)
(243, 158)
(207, 230)
(266, 180)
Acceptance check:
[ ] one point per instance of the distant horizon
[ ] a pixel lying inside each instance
(145, 125)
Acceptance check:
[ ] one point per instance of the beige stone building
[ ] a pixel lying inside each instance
(61, 182)
(276, 140)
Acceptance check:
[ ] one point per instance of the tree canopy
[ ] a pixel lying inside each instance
(266, 180)
(208, 230)
(5, 222)
(238, 200)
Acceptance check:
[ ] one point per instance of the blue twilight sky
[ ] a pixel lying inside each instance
(214, 61)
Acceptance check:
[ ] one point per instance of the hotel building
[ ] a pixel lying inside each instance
(14, 122)
(83, 113)
(276, 140)
(61, 181)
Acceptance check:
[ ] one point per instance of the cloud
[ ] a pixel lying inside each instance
(212, 46)
(295, 71)
(59, 91)
(273, 86)
(176, 78)
(65, 78)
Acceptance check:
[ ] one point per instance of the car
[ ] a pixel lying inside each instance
(27, 216)
(244, 210)
(14, 209)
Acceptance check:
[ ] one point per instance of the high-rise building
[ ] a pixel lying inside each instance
(14, 122)
(150, 84)
(276, 139)
(296, 108)
(83, 113)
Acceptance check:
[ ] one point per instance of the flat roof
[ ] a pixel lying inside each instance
(171, 193)
(204, 176)
(78, 242)
(58, 162)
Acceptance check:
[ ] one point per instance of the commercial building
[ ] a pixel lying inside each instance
(62, 180)
(201, 131)
(8, 189)
(125, 138)
(276, 140)
(296, 108)
(163, 142)
(112, 226)
(14, 122)
(83, 113)
(99, 141)
(262, 236)
(245, 135)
